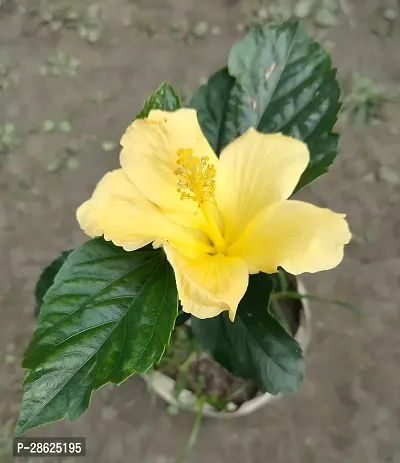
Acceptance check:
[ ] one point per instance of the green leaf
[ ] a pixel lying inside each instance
(255, 346)
(46, 279)
(108, 315)
(164, 98)
(278, 80)
(214, 118)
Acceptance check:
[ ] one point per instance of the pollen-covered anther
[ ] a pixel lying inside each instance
(195, 177)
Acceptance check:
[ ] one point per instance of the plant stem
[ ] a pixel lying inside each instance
(195, 431)
(295, 295)
(282, 280)
(186, 364)
(150, 381)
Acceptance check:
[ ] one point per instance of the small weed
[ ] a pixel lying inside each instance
(194, 32)
(8, 76)
(364, 98)
(65, 157)
(279, 11)
(91, 25)
(327, 13)
(8, 139)
(60, 64)
(179, 353)
(108, 145)
(304, 8)
(320, 36)
(201, 29)
(189, 33)
(50, 126)
(58, 14)
(256, 13)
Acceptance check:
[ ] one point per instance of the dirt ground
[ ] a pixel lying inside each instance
(348, 410)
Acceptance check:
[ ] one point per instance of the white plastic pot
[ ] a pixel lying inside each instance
(164, 386)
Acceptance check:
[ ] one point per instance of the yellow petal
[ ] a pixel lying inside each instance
(298, 236)
(210, 284)
(124, 216)
(254, 171)
(149, 158)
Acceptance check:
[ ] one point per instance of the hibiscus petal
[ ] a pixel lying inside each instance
(255, 171)
(124, 216)
(297, 236)
(209, 284)
(149, 158)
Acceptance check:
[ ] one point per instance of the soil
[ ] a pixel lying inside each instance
(197, 372)
(349, 407)
(219, 386)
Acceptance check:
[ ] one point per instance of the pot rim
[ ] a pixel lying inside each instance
(164, 386)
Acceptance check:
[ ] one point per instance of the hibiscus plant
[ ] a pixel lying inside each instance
(196, 221)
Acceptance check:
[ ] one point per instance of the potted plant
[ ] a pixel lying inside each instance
(187, 377)
(196, 241)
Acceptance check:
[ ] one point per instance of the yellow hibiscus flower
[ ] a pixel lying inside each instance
(218, 220)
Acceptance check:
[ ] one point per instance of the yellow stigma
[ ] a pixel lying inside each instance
(195, 177)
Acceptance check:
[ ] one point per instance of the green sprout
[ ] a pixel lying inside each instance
(50, 126)
(8, 138)
(90, 26)
(65, 157)
(8, 76)
(364, 99)
(256, 13)
(327, 13)
(58, 14)
(60, 64)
